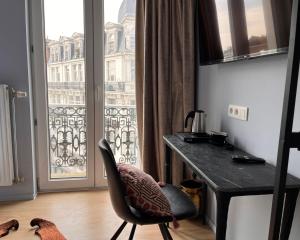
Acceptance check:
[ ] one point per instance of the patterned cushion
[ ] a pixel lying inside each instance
(144, 192)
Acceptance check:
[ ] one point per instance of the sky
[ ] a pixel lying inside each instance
(64, 17)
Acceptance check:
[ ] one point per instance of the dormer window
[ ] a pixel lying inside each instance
(61, 53)
(57, 55)
(67, 54)
(72, 50)
(111, 43)
(77, 50)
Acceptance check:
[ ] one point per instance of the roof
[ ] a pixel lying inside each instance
(127, 9)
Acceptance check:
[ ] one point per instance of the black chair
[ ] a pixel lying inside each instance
(181, 206)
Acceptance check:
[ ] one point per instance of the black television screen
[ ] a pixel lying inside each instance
(240, 29)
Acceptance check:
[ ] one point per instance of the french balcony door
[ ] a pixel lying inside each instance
(68, 92)
(84, 68)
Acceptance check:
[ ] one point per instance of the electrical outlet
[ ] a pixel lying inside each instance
(238, 112)
(231, 110)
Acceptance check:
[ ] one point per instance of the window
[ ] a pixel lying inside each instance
(80, 73)
(64, 22)
(61, 49)
(77, 99)
(57, 74)
(77, 50)
(130, 41)
(119, 73)
(51, 99)
(56, 55)
(67, 73)
(111, 71)
(51, 55)
(72, 51)
(111, 101)
(111, 43)
(82, 49)
(130, 71)
(58, 99)
(71, 99)
(52, 75)
(74, 73)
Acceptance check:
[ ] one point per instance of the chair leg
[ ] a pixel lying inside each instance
(132, 232)
(165, 232)
(168, 233)
(118, 232)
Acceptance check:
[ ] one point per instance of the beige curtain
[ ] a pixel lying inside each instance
(165, 76)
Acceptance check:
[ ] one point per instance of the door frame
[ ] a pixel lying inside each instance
(99, 76)
(94, 72)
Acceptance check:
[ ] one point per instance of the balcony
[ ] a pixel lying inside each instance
(115, 86)
(66, 85)
(68, 138)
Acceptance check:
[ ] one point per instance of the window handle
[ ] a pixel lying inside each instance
(99, 93)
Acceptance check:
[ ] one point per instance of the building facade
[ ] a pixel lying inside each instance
(66, 64)
(65, 59)
(65, 70)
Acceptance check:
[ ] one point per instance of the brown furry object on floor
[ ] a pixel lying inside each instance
(47, 230)
(6, 227)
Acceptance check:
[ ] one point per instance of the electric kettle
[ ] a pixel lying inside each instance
(198, 124)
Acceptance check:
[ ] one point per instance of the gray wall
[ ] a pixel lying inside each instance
(15, 71)
(259, 85)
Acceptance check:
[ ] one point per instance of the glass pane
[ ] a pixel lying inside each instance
(65, 61)
(224, 27)
(257, 33)
(120, 107)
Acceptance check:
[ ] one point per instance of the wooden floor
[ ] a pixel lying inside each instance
(86, 216)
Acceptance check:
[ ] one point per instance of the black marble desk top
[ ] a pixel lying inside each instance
(215, 165)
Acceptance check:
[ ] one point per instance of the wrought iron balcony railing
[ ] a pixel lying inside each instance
(68, 136)
(67, 85)
(121, 133)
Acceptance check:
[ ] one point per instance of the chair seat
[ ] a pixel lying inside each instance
(181, 206)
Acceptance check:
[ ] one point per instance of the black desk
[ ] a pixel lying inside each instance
(228, 179)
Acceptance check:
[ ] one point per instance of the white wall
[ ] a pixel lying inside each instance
(258, 84)
(15, 71)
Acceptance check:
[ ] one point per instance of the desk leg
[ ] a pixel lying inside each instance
(288, 213)
(204, 203)
(168, 164)
(223, 200)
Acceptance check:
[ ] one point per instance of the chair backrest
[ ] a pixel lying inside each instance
(115, 184)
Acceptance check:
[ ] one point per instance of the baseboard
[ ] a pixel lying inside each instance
(210, 223)
(21, 197)
(73, 190)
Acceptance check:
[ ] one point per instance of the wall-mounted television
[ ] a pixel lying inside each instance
(231, 30)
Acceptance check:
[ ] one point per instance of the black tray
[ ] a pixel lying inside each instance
(193, 138)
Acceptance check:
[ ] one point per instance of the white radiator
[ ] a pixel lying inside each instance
(6, 140)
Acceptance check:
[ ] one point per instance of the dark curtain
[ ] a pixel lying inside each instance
(210, 41)
(282, 11)
(238, 27)
(165, 76)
